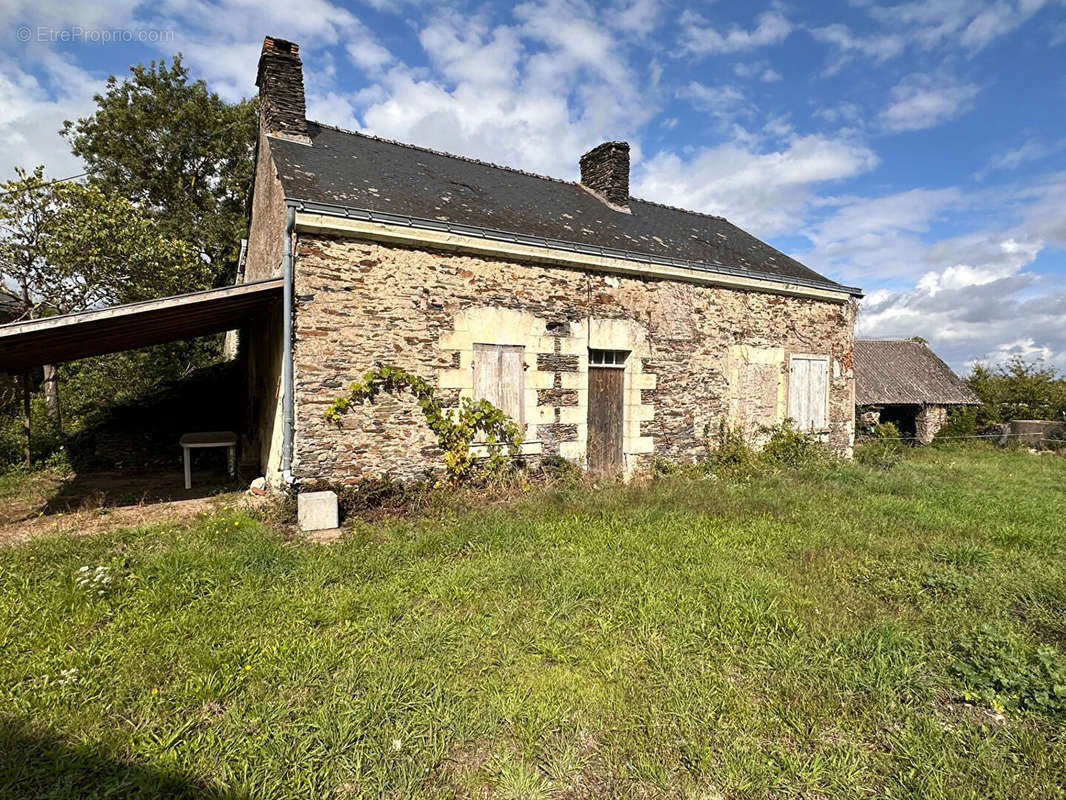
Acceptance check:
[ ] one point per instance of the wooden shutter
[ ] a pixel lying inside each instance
(499, 377)
(808, 392)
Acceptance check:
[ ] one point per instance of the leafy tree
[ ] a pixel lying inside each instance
(178, 152)
(69, 247)
(1018, 389)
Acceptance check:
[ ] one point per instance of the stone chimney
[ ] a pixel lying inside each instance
(280, 79)
(605, 171)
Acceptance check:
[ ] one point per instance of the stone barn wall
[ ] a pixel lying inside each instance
(928, 422)
(698, 354)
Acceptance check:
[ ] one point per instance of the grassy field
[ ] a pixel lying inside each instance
(843, 632)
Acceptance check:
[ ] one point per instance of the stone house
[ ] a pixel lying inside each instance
(904, 382)
(614, 330)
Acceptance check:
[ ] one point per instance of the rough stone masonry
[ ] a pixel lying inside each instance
(698, 354)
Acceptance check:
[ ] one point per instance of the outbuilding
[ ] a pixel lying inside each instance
(903, 382)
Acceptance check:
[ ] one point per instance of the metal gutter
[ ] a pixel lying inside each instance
(386, 218)
(287, 407)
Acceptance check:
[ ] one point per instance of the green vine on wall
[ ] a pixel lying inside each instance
(455, 428)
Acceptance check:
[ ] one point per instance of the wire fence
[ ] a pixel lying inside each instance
(1033, 436)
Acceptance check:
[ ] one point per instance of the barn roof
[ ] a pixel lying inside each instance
(903, 372)
(357, 171)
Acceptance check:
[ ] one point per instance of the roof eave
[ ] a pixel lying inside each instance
(440, 226)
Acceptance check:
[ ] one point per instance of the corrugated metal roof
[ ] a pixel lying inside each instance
(353, 170)
(903, 372)
(53, 340)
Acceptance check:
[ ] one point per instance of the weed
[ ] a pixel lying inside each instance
(789, 448)
(994, 668)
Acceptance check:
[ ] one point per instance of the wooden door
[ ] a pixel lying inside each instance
(499, 377)
(605, 421)
(808, 391)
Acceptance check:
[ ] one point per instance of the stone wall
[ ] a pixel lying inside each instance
(266, 232)
(698, 354)
(928, 422)
(261, 340)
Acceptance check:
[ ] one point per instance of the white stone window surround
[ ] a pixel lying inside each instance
(501, 326)
(490, 325)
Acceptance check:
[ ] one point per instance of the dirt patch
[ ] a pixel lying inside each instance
(86, 503)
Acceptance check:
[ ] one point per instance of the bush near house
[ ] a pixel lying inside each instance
(813, 633)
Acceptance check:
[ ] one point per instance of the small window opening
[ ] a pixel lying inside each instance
(610, 359)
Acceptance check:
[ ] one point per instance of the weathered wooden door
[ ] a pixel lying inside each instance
(605, 420)
(499, 377)
(808, 392)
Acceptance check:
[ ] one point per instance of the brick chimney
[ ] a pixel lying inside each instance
(605, 171)
(280, 79)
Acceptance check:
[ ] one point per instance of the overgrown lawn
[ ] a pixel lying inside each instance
(841, 632)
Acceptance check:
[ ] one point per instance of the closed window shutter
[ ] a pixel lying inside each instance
(808, 389)
(499, 377)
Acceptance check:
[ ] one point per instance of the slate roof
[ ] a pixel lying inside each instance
(895, 371)
(357, 171)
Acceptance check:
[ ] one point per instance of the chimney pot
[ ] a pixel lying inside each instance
(280, 78)
(605, 170)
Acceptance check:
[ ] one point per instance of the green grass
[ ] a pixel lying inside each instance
(795, 635)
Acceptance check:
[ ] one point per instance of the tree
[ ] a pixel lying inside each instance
(69, 247)
(1018, 389)
(176, 151)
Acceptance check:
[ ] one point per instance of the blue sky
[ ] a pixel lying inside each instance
(915, 149)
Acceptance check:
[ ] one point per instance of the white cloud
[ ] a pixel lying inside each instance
(698, 37)
(922, 101)
(34, 109)
(980, 320)
(724, 103)
(535, 94)
(975, 296)
(758, 69)
(765, 191)
(878, 47)
(969, 25)
(640, 17)
(879, 236)
(1032, 149)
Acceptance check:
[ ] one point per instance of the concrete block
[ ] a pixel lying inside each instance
(317, 511)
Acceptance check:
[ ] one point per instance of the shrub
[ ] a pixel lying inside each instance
(732, 455)
(884, 448)
(557, 469)
(994, 668)
(1018, 389)
(788, 448)
(962, 421)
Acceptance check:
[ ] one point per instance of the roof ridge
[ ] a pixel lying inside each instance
(435, 152)
(688, 211)
(482, 162)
